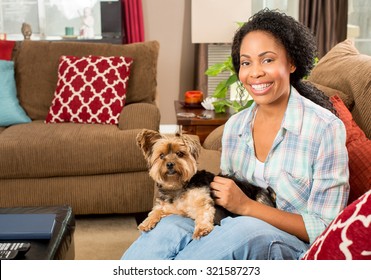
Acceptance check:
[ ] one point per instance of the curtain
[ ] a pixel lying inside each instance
(133, 21)
(200, 79)
(327, 19)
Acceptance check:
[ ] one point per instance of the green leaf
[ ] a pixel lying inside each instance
(221, 90)
(216, 69)
(221, 105)
(231, 80)
(249, 103)
(240, 23)
(229, 64)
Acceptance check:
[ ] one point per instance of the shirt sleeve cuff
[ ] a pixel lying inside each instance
(314, 226)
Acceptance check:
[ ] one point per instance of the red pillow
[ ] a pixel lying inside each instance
(6, 49)
(90, 89)
(348, 236)
(359, 152)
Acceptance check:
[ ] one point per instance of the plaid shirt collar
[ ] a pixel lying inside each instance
(293, 118)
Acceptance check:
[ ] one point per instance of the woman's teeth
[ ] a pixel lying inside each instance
(260, 86)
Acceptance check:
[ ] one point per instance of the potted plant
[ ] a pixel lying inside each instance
(221, 91)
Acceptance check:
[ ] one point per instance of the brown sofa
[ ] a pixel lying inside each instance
(94, 168)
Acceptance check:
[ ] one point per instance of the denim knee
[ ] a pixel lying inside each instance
(169, 236)
(279, 250)
(261, 240)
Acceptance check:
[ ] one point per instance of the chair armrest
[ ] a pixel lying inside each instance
(214, 140)
(140, 115)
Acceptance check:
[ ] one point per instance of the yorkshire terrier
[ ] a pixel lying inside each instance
(182, 190)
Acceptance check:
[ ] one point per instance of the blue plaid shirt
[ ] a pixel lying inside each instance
(307, 165)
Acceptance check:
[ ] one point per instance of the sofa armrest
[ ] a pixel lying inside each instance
(214, 140)
(140, 115)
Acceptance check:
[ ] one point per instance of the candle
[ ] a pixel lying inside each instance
(193, 97)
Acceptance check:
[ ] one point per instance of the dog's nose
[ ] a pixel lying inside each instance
(170, 165)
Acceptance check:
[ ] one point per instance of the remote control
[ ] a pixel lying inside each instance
(8, 254)
(12, 250)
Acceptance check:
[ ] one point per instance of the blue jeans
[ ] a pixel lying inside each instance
(240, 238)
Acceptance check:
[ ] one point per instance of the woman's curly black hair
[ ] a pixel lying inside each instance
(299, 44)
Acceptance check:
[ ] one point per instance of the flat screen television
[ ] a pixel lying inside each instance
(111, 19)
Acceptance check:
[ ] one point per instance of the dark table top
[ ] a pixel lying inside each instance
(199, 111)
(62, 236)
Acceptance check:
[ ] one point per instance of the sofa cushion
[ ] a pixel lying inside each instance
(347, 99)
(343, 68)
(90, 89)
(37, 76)
(359, 152)
(37, 150)
(348, 236)
(6, 49)
(10, 110)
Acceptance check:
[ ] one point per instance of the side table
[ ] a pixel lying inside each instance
(198, 125)
(61, 245)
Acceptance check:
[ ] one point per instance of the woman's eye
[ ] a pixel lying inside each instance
(267, 60)
(245, 63)
(180, 154)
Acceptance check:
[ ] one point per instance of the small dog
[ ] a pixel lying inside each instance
(182, 190)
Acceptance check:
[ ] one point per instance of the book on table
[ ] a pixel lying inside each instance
(26, 226)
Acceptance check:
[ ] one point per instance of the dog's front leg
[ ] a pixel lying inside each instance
(203, 212)
(153, 218)
(204, 222)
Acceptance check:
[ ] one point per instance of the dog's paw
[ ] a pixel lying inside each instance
(202, 230)
(147, 224)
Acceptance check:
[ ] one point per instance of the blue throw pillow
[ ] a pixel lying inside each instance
(10, 110)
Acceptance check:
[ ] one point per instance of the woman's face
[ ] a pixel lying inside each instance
(265, 68)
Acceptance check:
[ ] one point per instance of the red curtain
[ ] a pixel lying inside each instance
(133, 20)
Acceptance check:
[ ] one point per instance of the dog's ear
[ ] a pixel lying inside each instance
(146, 139)
(193, 144)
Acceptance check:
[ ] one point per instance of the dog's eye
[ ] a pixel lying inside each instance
(180, 154)
(162, 156)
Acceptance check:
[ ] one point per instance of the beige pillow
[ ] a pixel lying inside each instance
(343, 68)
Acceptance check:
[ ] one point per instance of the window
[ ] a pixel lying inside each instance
(359, 24)
(48, 18)
(290, 7)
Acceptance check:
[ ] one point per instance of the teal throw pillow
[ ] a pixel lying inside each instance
(10, 110)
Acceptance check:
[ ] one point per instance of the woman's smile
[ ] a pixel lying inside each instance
(260, 88)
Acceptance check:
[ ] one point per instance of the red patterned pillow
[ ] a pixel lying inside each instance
(348, 236)
(6, 49)
(359, 151)
(90, 89)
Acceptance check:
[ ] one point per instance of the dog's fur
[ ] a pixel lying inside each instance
(182, 190)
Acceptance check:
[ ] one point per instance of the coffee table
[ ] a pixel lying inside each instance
(61, 245)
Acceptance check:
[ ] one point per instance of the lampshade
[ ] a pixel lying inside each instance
(215, 21)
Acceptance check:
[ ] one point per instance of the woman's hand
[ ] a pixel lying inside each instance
(228, 195)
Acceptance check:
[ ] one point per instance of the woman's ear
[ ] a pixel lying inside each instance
(292, 68)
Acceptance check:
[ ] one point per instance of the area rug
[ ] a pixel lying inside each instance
(104, 237)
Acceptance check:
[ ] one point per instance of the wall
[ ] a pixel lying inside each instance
(169, 22)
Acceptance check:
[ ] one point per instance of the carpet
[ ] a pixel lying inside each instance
(104, 237)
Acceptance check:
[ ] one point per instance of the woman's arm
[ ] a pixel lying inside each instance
(229, 195)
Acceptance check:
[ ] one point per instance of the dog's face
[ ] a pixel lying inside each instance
(172, 161)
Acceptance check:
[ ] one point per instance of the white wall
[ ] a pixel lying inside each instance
(169, 22)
